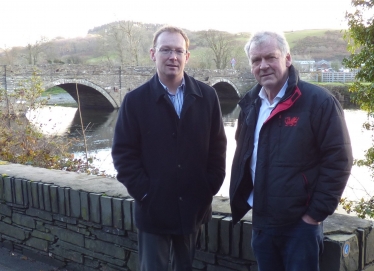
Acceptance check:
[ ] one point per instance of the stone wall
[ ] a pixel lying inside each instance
(83, 222)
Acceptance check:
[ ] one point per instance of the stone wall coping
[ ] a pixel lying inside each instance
(334, 224)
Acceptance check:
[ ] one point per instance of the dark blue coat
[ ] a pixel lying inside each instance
(179, 164)
(304, 156)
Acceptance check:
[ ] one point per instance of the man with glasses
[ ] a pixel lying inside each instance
(169, 150)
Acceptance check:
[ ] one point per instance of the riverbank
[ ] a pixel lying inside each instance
(61, 99)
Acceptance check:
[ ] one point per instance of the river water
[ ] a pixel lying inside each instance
(100, 125)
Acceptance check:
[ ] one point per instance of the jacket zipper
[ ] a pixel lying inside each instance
(306, 188)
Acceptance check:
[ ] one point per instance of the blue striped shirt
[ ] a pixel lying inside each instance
(177, 98)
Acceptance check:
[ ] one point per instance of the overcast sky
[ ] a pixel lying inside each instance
(24, 21)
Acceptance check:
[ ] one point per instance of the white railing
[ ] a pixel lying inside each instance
(341, 77)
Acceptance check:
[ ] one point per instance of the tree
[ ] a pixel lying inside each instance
(51, 54)
(127, 37)
(20, 142)
(203, 60)
(21, 139)
(9, 55)
(221, 45)
(133, 37)
(360, 37)
(34, 50)
(118, 38)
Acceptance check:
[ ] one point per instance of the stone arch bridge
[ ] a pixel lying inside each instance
(105, 86)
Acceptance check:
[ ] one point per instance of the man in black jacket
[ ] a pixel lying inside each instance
(169, 150)
(292, 161)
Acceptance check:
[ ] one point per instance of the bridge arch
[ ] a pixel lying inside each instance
(90, 95)
(226, 89)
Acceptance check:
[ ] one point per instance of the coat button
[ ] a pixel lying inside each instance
(180, 198)
(179, 166)
(174, 135)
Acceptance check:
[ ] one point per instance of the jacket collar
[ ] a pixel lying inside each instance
(252, 95)
(158, 91)
(293, 80)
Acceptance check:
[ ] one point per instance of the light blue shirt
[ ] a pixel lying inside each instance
(265, 111)
(177, 98)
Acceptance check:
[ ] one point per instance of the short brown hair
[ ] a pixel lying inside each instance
(171, 29)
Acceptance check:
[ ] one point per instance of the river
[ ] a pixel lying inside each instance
(100, 126)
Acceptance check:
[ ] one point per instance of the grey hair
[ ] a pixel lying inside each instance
(260, 37)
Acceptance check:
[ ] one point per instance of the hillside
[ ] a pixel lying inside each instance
(128, 43)
(328, 45)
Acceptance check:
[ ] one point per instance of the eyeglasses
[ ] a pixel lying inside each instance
(167, 51)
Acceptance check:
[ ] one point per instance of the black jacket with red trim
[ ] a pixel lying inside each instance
(304, 156)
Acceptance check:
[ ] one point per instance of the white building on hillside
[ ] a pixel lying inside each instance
(305, 65)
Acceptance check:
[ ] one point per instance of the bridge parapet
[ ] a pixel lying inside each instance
(240, 80)
(104, 76)
(103, 85)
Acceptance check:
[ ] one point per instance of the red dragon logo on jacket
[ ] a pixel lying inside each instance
(291, 121)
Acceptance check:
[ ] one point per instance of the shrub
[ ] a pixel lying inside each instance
(22, 142)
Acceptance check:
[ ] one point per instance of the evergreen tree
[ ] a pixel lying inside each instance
(360, 37)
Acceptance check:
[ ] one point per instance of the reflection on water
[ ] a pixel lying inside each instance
(52, 120)
(230, 113)
(99, 127)
(228, 107)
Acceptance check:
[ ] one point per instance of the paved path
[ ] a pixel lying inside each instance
(11, 261)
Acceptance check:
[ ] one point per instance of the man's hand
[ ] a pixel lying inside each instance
(309, 220)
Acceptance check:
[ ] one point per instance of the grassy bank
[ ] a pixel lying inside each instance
(52, 91)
